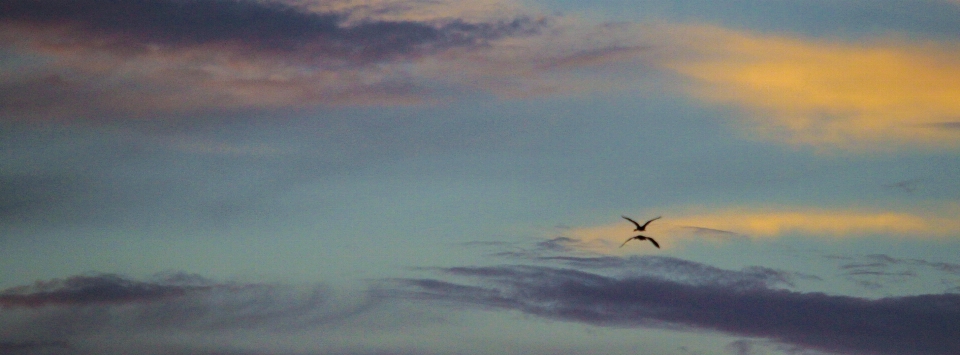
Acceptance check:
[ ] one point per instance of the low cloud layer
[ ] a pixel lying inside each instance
(75, 315)
(838, 222)
(881, 271)
(93, 290)
(912, 325)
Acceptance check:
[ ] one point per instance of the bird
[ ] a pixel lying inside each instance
(640, 237)
(639, 227)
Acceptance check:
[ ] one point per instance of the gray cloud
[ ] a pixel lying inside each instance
(556, 251)
(912, 325)
(96, 289)
(22, 196)
(718, 233)
(213, 318)
(33, 347)
(877, 271)
(952, 125)
(107, 59)
(182, 301)
(138, 26)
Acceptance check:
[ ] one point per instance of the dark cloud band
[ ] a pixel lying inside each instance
(97, 289)
(913, 325)
(136, 26)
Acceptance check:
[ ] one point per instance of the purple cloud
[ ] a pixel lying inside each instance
(556, 251)
(111, 314)
(30, 347)
(87, 290)
(912, 325)
(107, 59)
(879, 270)
(139, 26)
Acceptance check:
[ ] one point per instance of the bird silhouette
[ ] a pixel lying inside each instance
(640, 237)
(639, 227)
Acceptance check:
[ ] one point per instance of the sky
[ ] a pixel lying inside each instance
(371, 177)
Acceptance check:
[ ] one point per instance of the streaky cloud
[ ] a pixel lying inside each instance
(89, 290)
(774, 221)
(17, 347)
(178, 300)
(139, 26)
(881, 271)
(172, 313)
(874, 95)
(951, 125)
(95, 58)
(910, 325)
(681, 270)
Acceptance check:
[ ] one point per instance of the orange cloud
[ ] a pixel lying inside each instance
(732, 223)
(773, 222)
(828, 94)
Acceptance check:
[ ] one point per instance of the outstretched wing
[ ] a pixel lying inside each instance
(644, 226)
(625, 242)
(654, 242)
(632, 221)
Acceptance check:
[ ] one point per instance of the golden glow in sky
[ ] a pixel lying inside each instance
(873, 95)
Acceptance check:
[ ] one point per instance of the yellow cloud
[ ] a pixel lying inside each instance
(827, 94)
(775, 222)
(729, 223)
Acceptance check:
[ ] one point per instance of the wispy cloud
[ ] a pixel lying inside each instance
(83, 58)
(881, 271)
(80, 57)
(831, 94)
(244, 26)
(96, 289)
(32, 347)
(738, 223)
(922, 324)
(825, 222)
(75, 313)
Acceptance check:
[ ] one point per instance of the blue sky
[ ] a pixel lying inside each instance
(442, 177)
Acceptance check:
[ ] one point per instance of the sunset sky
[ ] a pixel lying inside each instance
(372, 177)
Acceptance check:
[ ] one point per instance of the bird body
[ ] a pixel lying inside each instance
(641, 237)
(639, 227)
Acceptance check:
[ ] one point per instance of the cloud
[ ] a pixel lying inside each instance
(44, 199)
(100, 59)
(921, 324)
(778, 221)
(84, 57)
(730, 224)
(831, 94)
(142, 26)
(97, 289)
(881, 271)
(30, 347)
(106, 313)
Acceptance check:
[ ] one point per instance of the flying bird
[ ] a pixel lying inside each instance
(640, 237)
(639, 227)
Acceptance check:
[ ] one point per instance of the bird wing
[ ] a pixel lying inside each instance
(625, 242)
(648, 222)
(632, 221)
(654, 242)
